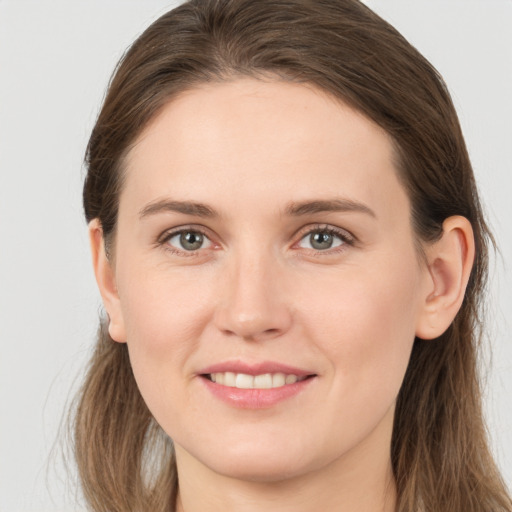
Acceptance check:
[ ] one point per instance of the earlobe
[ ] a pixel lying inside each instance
(449, 262)
(105, 278)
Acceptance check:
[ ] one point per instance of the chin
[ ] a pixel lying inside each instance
(256, 463)
(261, 470)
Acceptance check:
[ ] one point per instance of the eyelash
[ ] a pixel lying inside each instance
(165, 237)
(347, 239)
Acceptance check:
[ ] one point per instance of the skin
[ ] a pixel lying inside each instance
(256, 291)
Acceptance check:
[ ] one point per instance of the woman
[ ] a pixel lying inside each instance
(291, 253)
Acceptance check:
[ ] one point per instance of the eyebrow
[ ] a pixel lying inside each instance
(185, 207)
(297, 209)
(294, 209)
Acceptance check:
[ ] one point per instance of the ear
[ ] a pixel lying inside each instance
(105, 277)
(449, 264)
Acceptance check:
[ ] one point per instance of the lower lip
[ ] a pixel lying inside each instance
(256, 398)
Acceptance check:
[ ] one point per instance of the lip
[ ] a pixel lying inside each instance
(238, 366)
(255, 398)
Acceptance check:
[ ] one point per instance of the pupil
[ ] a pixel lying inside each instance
(191, 240)
(321, 240)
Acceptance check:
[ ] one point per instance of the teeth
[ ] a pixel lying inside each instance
(244, 381)
(263, 381)
(229, 379)
(278, 380)
(290, 379)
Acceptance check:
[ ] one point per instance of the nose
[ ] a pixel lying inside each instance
(253, 303)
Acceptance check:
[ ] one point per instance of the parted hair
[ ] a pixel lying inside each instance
(439, 450)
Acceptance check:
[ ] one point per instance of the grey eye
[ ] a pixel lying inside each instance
(321, 241)
(189, 241)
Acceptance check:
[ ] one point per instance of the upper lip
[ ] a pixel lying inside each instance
(260, 368)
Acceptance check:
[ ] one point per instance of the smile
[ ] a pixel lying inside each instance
(245, 381)
(255, 385)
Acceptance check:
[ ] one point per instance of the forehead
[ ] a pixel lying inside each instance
(251, 138)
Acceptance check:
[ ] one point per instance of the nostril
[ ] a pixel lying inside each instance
(252, 320)
(265, 334)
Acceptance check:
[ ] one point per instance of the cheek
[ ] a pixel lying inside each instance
(365, 320)
(364, 327)
(164, 309)
(164, 317)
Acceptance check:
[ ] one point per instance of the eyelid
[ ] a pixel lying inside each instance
(165, 236)
(347, 237)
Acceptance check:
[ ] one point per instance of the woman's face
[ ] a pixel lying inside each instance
(265, 240)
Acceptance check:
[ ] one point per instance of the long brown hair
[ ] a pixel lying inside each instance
(439, 450)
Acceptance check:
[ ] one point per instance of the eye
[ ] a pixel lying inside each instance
(323, 239)
(188, 240)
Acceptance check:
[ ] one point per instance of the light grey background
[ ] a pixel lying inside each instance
(55, 60)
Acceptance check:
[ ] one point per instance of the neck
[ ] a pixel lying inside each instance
(359, 481)
(288, 496)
